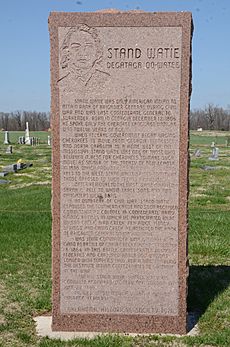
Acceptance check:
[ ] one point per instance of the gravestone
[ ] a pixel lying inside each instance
(16, 167)
(9, 150)
(215, 154)
(6, 138)
(27, 135)
(213, 144)
(10, 168)
(120, 86)
(197, 153)
(21, 140)
(3, 174)
(208, 168)
(49, 140)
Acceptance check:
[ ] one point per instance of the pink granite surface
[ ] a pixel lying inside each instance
(120, 86)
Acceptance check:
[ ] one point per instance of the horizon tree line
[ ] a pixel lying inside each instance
(16, 121)
(211, 117)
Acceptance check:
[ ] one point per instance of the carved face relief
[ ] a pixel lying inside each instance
(82, 50)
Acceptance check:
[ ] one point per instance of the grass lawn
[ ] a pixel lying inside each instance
(205, 138)
(25, 250)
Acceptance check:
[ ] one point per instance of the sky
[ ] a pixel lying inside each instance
(25, 61)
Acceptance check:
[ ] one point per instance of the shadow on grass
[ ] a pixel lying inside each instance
(204, 285)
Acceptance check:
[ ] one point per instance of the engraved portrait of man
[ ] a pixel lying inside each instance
(80, 56)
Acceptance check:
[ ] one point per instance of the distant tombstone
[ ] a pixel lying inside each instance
(16, 166)
(215, 154)
(197, 153)
(208, 168)
(10, 168)
(20, 166)
(9, 150)
(34, 141)
(199, 129)
(21, 140)
(27, 135)
(6, 139)
(49, 141)
(3, 174)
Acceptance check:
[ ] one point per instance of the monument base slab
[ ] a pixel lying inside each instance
(44, 329)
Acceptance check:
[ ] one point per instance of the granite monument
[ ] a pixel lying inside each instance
(120, 86)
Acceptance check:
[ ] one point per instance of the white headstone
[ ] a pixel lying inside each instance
(27, 135)
(6, 140)
(9, 150)
(215, 154)
(49, 140)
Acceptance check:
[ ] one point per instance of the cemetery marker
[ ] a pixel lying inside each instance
(120, 87)
(6, 138)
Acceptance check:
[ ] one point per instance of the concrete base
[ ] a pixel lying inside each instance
(43, 329)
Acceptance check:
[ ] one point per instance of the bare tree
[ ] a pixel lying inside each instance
(18, 118)
(210, 114)
(5, 120)
(210, 118)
